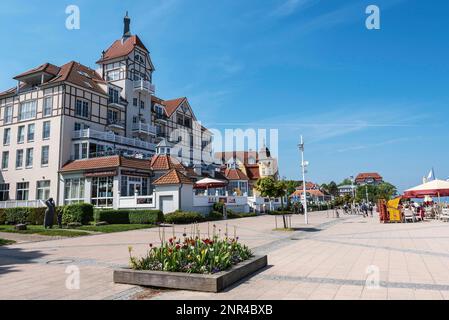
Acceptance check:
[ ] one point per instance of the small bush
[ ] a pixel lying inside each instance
(146, 217)
(279, 213)
(214, 215)
(180, 217)
(81, 212)
(2, 216)
(234, 215)
(218, 206)
(17, 215)
(112, 216)
(129, 216)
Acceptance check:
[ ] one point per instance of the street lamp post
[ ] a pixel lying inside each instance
(303, 167)
(367, 198)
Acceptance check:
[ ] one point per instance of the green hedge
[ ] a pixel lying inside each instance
(2, 216)
(129, 216)
(80, 212)
(181, 217)
(235, 215)
(214, 215)
(33, 216)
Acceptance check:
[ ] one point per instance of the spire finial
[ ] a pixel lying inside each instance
(127, 28)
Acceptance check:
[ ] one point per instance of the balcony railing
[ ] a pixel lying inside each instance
(113, 138)
(144, 85)
(144, 128)
(116, 123)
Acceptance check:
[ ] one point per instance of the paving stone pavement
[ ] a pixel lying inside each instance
(328, 259)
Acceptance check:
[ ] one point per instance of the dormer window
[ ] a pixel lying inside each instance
(84, 74)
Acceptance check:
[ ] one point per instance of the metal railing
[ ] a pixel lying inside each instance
(21, 204)
(113, 138)
(144, 127)
(144, 85)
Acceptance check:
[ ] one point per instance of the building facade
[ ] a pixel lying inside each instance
(59, 114)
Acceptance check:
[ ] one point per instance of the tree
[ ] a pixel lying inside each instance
(383, 190)
(332, 189)
(346, 182)
(270, 188)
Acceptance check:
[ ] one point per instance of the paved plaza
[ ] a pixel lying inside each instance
(328, 259)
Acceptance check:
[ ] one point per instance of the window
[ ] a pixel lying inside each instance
(142, 104)
(5, 160)
(6, 136)
(134, 119)
(82, 109)
(46, 130)
(113, 75)
(102, 191)
(29, 158)
(43, 190)
(114, 96)
(4, 191)
(135, 102)
(179, 119)
(27, 110)
(74, 190)
(112, 116)
(188, 122)
(44, 155)
(81, 126)
(22, 191)
(77, 151)
(84, 150)
(129, 185)
(19, 159)
(8, 114)
(30, 135)
(48, 106)
(21, 134)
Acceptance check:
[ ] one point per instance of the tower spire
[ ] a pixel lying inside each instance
(127, 26)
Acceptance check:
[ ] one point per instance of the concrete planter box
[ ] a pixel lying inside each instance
(197, 282)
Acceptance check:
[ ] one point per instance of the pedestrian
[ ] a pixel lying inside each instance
(364, 210)
(371, 209)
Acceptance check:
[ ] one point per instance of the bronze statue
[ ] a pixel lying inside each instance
(49, 213)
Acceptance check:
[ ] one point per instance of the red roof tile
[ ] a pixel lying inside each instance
(122, 48)
(235, 174)
(161, 162)
(46, 67)
(316, 193)
(173, 177)
(253, 172)
(106, 163)
(172, 105)
(368, 175)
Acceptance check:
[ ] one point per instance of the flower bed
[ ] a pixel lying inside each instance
(193, 255)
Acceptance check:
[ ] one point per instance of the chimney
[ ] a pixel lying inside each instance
(127, 29)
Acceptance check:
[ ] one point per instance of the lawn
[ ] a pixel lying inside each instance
(4, 242)
(110, 228)
(55, 232)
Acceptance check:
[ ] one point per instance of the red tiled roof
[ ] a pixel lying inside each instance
(161, 162)
(46, 67)
(106, 163)
(235, 174)
(172, 105)
(93, 163)
(121, 48)
(173, 177)
(252, 171)
(368, 175)
(73, 72)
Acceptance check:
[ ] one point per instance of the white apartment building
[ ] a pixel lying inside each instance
(57, 114)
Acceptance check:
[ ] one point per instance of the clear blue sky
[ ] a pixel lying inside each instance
(364, 100)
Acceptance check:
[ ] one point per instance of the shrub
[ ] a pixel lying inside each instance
(81, 212)
(2, 216)
(218, 206)
(112, 216)
(129, 216)
(17, 215)
(234, 215)
(279, 213)
(180, 217)
(33, 216)
(214, 215)
(146, 217)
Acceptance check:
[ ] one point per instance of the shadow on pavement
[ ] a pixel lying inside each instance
(247, 278)
(10, 256)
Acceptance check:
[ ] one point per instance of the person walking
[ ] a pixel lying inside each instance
(364, 210)
(371, 209)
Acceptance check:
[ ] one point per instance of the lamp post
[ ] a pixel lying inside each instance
(304, 164)
(366, 190)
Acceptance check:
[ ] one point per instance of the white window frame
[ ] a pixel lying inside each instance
(27, 110)
(43, 192)
(42, 156)
(74, 195)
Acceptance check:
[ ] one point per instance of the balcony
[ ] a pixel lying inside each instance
(144, 128)
(160, 117)
(145, 86)
(117, 104)
(115, 123)
(113, 138)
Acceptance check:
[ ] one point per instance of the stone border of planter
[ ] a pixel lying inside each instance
(189, 281)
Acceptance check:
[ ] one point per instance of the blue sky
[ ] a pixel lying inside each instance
(364, 100)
